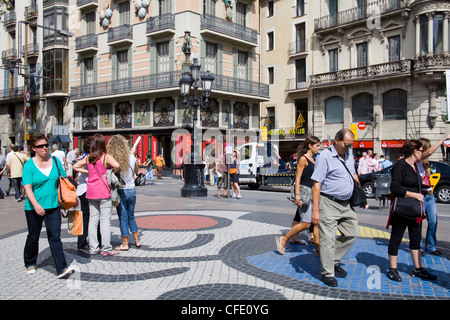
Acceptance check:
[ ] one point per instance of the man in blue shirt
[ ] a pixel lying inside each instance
(332, 189)
(386, 163)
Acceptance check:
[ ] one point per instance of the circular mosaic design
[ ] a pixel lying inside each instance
(181, 222)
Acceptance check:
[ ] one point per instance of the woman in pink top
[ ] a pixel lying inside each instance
(98, 194)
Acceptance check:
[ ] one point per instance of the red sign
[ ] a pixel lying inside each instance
(361, 125)
(362, 144)
(392, 143)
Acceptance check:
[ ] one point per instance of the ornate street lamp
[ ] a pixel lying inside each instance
(194, 182)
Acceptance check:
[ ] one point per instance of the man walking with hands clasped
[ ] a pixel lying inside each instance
(332, 190)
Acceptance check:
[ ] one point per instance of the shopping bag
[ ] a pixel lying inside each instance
(75, 222)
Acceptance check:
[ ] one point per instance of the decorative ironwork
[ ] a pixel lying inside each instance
(228, 28)
(86, 41)
(358, 13)
(162, 22)
(241, 116)
(122, 32)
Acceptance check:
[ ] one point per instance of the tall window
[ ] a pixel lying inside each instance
(300, 7)
(300, 37)
(362, 106)
(423, 34)
(124, 13)
(209, 7)
(333, 9)
(89, 71)
(165, 6)
(55, 18)
(438, 32)
(241, 13)
(334, 110)
(394, 48)
(211, 57)
(300, 71)
(89, 20)
(122, 64)
(163, 64)
(271, 116)
(55, 70)
(333, 60)
(242, 72)
(270, 75)
(361, 52)
(270, 39)
(270, 9)
(394, 104)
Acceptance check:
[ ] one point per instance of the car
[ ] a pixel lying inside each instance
(440, 180)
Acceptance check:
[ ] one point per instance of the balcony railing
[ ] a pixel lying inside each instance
(228, 28)
(82, 3)
(162, 22)
(167, 80)
(9, 18)
(123, 32)
(298, 47)
(371, 72)
(33, 49)
(9, 54)
(358, 13)
(52, 2)
(16, 93)
(295, 84)
(86, 41)
(430, 62)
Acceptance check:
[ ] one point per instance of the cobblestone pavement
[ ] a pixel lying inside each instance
(195, 251)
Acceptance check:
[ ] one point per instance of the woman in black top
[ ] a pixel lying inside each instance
(406, 183)
(305, 169)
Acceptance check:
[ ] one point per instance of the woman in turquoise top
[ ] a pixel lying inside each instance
(40, 180)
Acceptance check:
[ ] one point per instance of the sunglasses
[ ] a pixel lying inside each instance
(40, 146)
(348, 145)
(421, 150)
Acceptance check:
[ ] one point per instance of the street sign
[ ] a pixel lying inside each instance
(361, 125)
(27, 97)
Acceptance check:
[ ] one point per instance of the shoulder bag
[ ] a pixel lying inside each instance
(67, 190)
(305, 194)
(358, 197)
(407, 207)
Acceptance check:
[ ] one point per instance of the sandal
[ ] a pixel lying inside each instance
(122, 247)
(137, 243)
(279, 247)
(109, 253)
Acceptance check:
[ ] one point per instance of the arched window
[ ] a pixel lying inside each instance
(334, 110)
(394, 104)
(362, 106)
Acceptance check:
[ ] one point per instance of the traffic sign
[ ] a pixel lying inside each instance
(361, 125)
(27, 96)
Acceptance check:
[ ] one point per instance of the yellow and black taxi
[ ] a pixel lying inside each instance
(440, 181)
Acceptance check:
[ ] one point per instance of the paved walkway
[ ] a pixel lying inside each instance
(218, 254)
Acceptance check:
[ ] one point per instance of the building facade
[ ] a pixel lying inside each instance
(379, 68)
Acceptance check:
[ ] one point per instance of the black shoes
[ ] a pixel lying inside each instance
(330, 281)
(423, 274)
(393, 275)
(416, 273)
(339, 272)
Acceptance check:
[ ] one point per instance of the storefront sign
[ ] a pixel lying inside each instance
(392, 143)
(363, 144)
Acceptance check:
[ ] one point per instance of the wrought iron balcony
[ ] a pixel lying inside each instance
(87, 3)
(227, 28)
(296, 85)
(355, 14)
(16, 93)
(33, 11)
(9, 54)
(159, 24)
(47, 3)
(32, 48)
(298, 47)
(120, 34)
(372, 72)
(167, 80)
(9, 18)
(86, 42)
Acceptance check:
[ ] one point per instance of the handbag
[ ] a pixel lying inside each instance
(67, 190)
(426, 183)
(232, 170)
(75, 222)
(305, 194)
(410, 208)
(358, 197)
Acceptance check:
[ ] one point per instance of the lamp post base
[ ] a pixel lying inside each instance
(194, 181)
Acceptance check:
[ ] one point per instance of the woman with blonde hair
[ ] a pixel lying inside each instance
(119, 149)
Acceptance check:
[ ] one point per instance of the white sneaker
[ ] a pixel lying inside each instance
(239, 196)
(31, 270)
(234, 196)
(66, 272)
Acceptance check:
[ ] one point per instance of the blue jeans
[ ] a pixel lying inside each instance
(125, 210)
(149, 174)
(430, 209)
(52, 219)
